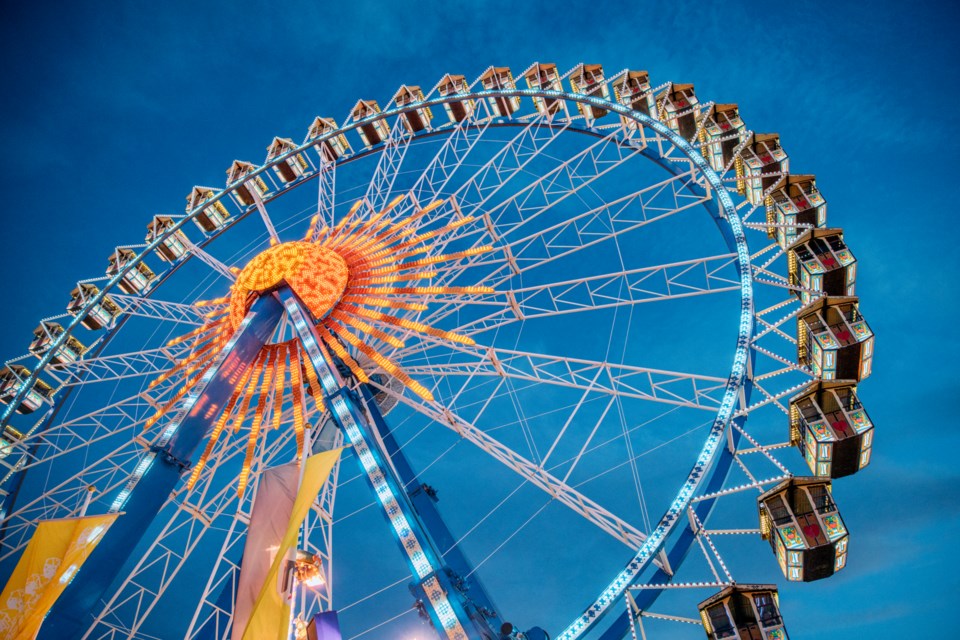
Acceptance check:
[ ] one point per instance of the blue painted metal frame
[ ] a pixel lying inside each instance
(439, 587)
(159, 472)
(708, 464)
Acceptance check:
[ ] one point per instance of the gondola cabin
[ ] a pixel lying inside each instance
(173, 246)
(247, 190)
(138, 276)
(800, 520)
(722, 132)
(676, 107)
(632, 89)
(332, 147)
(43, 338)
(834, 340)
(544, 76)
(457, 110)
(743, 612)
(793, 208)
(416, 119)
(501, 78)
(831, 428)
(12, 377)
(588, 80)
(821, 263)
(371, 132)
(761, 165)
(8, 439)
(210, 217)
(291, 167)
(99, 315)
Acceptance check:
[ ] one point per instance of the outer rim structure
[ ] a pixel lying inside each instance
(709, 465)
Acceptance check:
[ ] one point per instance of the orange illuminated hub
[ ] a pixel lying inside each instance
(317, 274)
(349, 276)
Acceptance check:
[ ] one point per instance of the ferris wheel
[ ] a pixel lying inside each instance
(553, 355)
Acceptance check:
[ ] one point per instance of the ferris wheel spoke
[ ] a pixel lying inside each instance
(267, 222)
(117, 366)
(655, 385)
(648, 284)
(391, 158)
(591, 228)
(535, 474)
(509, 161)
(159, 309)
(195, 250)
(445, 163)
(326, 192)
(567, 179)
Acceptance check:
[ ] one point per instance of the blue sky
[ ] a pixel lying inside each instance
(112, 112)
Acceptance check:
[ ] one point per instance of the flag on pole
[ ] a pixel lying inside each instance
(52, 558)
(269, 616)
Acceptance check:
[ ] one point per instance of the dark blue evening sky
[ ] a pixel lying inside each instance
(112, 111)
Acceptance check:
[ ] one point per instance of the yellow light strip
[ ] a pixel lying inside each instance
(297, 383)
(338, 349)
(176, 398)
(257, 421)
(422, 275)
(387, 364)
(373, 301)
(409, 324)
(218, 429)
(421, 290)
(279, 374)
(359, 324)
(248, 393)
(314, 383)
(196, 332)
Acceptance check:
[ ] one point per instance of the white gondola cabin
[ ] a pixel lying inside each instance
(762, 163)
(588, 80)
(44, 336)
(743, 612)
(834, 340)
(210, 217)
(374, 131)
(831, 428)
(12, 378)
(100, 315)
(801, 521)
(174, 245)
(793, 208)
(137, 278)
(821, 263)
(247, 189)
(632, 89)
(8, 439)
(290, 168)
(501, 78)
(334, 146)
(722, 132)
(451, 85)
(676, 107)
(416, 119)
(544, 76)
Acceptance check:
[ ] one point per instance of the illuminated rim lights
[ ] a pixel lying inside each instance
(738, 376)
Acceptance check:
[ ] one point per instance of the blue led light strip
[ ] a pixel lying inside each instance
(423, 560)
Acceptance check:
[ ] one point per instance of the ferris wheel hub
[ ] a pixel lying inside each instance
(317, 274)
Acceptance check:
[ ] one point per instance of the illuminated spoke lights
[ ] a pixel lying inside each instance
(348, 277)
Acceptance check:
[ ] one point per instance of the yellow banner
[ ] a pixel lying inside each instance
(270, 619)
(53, 556)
